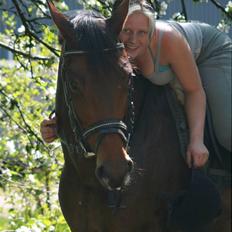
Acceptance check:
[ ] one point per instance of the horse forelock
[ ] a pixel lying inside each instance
(92, 36)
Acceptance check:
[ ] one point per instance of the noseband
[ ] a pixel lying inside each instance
(102, 128)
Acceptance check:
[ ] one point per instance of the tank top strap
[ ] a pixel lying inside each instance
(158, 48)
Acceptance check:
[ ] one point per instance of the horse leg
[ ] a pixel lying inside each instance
(199, 208)
(223, 222)
(71, 200)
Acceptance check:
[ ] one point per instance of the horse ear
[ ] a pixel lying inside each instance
(119, 13)
(61, 21)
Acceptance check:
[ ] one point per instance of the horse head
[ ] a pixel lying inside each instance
(92, 93)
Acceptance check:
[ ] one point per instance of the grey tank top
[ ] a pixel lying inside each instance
(163, 73)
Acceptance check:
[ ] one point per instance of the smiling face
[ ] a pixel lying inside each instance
(135, 34)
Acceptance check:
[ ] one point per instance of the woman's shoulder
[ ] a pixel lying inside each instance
(165, 26)
(169, 33)
(170, 41)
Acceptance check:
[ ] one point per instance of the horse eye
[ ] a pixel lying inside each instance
(74, 86)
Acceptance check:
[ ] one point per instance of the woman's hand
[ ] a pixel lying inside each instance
(48, 130)
(197, 155)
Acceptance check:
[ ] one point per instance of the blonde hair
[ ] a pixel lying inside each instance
(146, 10)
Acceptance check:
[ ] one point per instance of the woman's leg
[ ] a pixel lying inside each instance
(216, 75)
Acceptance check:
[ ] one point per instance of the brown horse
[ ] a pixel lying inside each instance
(120, 145)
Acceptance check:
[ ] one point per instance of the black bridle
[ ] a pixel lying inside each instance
(102, 128)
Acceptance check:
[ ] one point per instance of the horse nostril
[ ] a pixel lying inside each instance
(130, 165)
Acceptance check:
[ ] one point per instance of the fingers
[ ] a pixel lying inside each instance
(48, 130)
(48, 135)
(197, 158)
(47, 122)
(48, 139)
(200, 160)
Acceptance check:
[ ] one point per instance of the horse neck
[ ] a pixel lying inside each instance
(140, 86)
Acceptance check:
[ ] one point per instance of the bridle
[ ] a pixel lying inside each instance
(102, 128)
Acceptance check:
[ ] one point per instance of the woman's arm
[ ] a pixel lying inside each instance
(197, 153)
(183, 64)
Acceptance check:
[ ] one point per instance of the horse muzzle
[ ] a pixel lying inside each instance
(114, 175)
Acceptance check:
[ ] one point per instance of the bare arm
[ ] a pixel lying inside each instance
(195, 108)
(184, 66)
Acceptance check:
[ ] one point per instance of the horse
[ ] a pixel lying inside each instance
(121, 150)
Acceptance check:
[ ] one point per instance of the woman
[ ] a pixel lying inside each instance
(184, 55)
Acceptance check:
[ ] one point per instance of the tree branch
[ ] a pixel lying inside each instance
(222, 8)
(28, 31)
(184, 12)
(27, 128)
(13, 50)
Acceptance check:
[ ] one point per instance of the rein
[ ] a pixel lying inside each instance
(102, 128)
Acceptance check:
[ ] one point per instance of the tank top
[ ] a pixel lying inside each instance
(163, 74)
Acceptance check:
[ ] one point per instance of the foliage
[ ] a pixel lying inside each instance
(30, 169)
